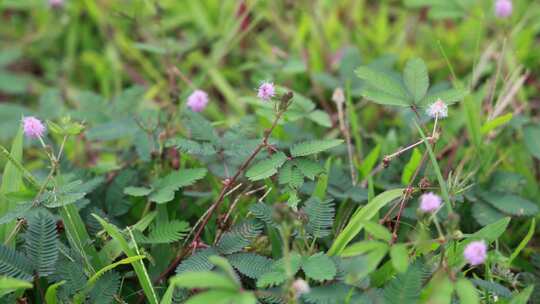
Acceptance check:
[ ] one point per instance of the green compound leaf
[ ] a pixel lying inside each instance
(250, 264)
(319, 267)
(510, 203)
(314, 147)
(267, 167)
(416, 78)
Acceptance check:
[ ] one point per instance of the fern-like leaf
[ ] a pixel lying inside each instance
(250, 264)
(329, 294)
(198, 261)
(308, 167)
(405, 288)
(192, 147)
(166, 186)
(263, 212)
(105, 288)
(314, 147)
(14, 264)
(41, 242)
(267, 167)
(320, 217)
(239, 236)
(165, 233)
(277, 273)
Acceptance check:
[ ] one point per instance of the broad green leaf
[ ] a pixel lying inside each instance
(214, 297)
(52, 290)
(411, 166)
(531, 135)
(362, 214)
(495, 123)
(373, 258)
(319, 267)
(466, 291)
(383, 82)
(320, 117)
(362, 247)
(137, 191)
(416, 78)
(369, 162)
(314, 147)
(383, 98)
(203, 279)
(377, 230)
(8, 285)
(439, 289)
(400, 257)
(510, 203)
(491, 232)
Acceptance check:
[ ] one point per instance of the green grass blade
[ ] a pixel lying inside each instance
(363, 214)
(140, 269)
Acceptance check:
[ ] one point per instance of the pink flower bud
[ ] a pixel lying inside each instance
(197, 101)
(475, 253)
(266, 91)
(430, 202)
(503, 8)
(33, 127)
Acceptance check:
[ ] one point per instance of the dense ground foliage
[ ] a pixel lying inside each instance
(269, 151)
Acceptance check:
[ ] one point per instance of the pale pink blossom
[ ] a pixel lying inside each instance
(475, 253)
(266, 91)
(430, 202)
(503, 8)
(300, 287)
(437, 109)
(56, 3)
(197, 101)
(33, 127)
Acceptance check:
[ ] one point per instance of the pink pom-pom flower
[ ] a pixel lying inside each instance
(437, 109)
(430, 202)
(33, 127)
(266, 91)
(197, 101)
(300, 287)
(475, 253)
(56, 3)
(503, 8)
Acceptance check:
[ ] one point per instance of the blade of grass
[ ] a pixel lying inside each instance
(140, 269)
(362, 214)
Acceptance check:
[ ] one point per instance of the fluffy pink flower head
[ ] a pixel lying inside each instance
(266, 91)
(503, 8)
(475, 253)
(56, 3)
(437, 109)
(33, 127)
(197, 101)
(430, 202)
(300, 287)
